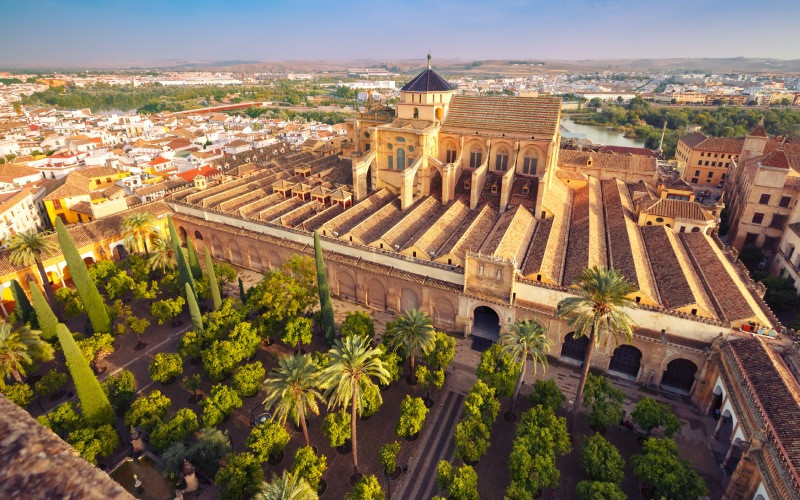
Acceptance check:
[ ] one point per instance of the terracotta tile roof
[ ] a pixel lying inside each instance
(82, 207)
(676, 183)
(775, 391)
(731, 305)
(438, 232)
(728, 145)
(672, 285)
(758, 131)
(73, 184)
(619, 241)
(91, 172)
(533, 261)
(570, 158)
(8, 200)
(525, 115)
(627, 150)
(15, 171)
(577, 254)
(679, 209)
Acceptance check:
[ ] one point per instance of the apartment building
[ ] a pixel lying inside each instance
(763, 191)
(706, 161)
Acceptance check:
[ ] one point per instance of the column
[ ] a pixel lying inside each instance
(718, 428)
(729, 454)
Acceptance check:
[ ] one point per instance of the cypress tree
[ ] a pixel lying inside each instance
(94, 403)
(194, 262)
(328, 324)
(87, 291)
(183, 266)
(241, 289)
(213, 285)
(23, 305)
(44, 314)
(194, 311)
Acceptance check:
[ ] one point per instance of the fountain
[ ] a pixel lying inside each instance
(142, 478)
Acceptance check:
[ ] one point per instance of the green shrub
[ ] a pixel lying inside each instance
(167, 309)
(72, 304)
(247, 379)
(358, 323)
(267, 439)
(367, 488)
(148, 411)
(20, 394)
(442, 353)
(240, 478)
(92, 441)
(392, 362)
(649, 414)
(371, 399)
(597, 490)
(246, 339)
(547, 393)
(121, 390)
(412, 415)
(165, 367)
(191, 345)
(51, 383)
(388, 456)
(471, 439)
(604, 400)
(174, 430)
(498, 370)
(298, 331)
(173, 458)
(62, 420)
(309, 466)
(336, 426)
(219, 405)
(601, 460)
(220, 359)
(671, 476)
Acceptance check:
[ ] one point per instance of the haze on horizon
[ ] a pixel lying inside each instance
(91, 33)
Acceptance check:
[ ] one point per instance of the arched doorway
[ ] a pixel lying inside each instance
(88, 260)
(679, 375)
(120, 252)
(216, 247)
(486, 323)
(347, 286)
(626, 361)
(236, 254)
(408, 300)
(255, 259)
(575, 348)
(182, 235)
(376, 295)
(444, 312)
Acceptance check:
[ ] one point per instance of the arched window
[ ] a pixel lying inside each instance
(501, 160)
(416, 112)
(401, 159)
(439, 113)
(475, 157)
(529, 164)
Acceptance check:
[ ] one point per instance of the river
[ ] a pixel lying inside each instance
(600, 135)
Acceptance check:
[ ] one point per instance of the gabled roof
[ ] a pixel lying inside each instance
(526, 115)
(758, 131)
(679, 209)
(697, 140)
(427, 81)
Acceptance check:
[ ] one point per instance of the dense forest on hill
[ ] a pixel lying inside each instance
(640, 119)
(329, 117)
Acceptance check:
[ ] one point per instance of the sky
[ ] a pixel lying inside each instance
(74, 33)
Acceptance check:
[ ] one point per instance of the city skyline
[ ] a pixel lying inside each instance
(203, 31)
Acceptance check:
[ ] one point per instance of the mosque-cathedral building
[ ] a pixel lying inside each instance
(467, 208)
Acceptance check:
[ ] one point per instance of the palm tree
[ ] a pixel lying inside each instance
(138, 227)
(292, 390)
(162, 255)
(19, 349)
(522, 339)
(353, 364)
(27, 249)
(287, 487)
(413, 331)
(597, 313)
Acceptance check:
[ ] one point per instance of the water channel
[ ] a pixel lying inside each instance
(600, 135)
